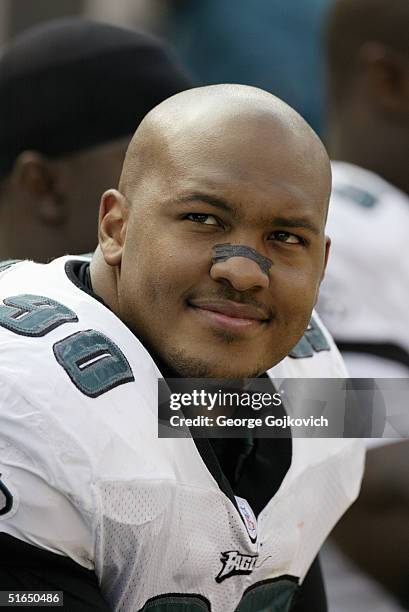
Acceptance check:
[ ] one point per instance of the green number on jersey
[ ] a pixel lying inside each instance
(313, 341)
(267, 596)
(33, 315)
(94, 363)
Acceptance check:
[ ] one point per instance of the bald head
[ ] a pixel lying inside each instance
(222, 206)
(220, 116)
(354, 23)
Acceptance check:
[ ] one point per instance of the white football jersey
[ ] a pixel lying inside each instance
(365, 293)
(83, 473)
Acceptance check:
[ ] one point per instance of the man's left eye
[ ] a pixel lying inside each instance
(202, 218)
(286, 237)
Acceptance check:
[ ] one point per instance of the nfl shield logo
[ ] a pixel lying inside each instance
(248, 516)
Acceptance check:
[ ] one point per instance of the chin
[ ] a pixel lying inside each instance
(198, 368)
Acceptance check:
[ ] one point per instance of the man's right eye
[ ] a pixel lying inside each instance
(202, 218)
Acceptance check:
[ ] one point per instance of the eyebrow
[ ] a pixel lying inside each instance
(295, 222)
(208, 199)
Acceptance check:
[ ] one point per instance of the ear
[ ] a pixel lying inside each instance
(113, 220)
(324, 267)
(36, 176)
(326, 256)
(386, 73)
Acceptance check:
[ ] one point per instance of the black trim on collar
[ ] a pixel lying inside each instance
(78, 273)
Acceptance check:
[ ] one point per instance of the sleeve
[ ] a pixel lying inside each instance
(26, 568)
(38, 505)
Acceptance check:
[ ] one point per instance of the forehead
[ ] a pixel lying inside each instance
(271, 170)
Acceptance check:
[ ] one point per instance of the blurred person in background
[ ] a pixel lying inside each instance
(273, 45)
(72, 92)
(364, 298)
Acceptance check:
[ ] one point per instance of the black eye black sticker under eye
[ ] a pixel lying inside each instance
(224, 251)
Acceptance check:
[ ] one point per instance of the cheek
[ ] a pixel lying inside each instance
(167, 275)
(295, 296)
(298, 282)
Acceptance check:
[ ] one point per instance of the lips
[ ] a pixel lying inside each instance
(232, 309)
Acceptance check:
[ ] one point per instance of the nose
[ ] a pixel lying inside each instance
(241, 272)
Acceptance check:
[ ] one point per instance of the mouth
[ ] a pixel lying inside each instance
(230, 315)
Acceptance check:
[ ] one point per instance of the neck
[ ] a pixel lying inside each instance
(104, 280)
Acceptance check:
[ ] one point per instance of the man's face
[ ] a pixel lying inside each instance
(251, 188)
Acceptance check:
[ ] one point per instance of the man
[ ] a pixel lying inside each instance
(157, 520)
(364, 296)
(72, 92)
